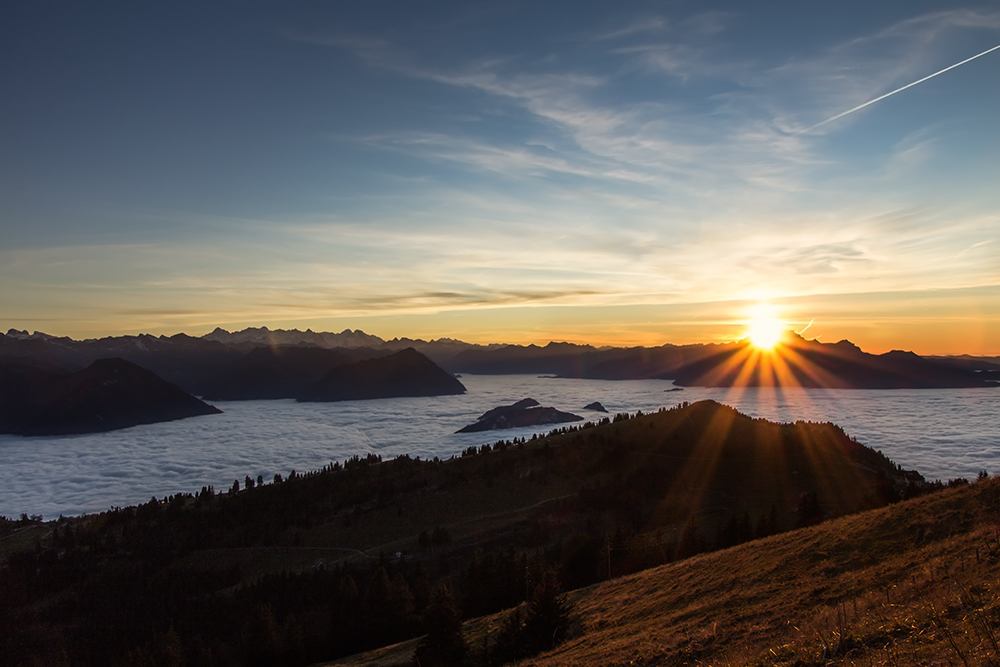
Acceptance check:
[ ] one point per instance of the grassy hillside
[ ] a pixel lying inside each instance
(913, 583)
(344, 559)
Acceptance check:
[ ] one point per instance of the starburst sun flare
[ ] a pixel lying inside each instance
(764, 327)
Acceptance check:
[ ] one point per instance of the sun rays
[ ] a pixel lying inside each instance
(764, 327)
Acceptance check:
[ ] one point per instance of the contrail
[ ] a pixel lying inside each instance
(898, 90)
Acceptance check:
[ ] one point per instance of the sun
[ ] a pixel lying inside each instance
(765, 328)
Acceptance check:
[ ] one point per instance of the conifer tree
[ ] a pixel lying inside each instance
(547, 618)
(376, 608)
(443, 645)
(401, 606)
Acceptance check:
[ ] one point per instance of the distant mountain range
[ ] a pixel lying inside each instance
(251, 364)
(438, 350)
(259, 363)
(796, 361)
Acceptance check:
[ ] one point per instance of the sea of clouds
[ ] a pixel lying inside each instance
(943, 433)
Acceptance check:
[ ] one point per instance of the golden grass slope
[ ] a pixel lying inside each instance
(914, 583)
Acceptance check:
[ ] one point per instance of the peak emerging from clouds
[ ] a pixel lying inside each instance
(264, 336)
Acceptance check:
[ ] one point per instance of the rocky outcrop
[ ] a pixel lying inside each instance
(596, 405)
(109, 394)
(526, 412)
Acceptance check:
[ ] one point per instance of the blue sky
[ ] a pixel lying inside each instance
(590, 171)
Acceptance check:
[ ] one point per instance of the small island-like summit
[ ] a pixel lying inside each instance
(43, 372)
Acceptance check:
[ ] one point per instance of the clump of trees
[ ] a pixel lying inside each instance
(543, 626)
(443, 645)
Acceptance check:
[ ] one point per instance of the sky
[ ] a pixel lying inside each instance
(610, 173)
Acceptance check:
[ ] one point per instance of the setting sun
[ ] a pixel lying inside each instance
(764, 328)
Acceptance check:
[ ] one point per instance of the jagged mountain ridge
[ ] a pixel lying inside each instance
(197, 363)
(250, 366)
(259, 336)
(797, 362)
(438, 350)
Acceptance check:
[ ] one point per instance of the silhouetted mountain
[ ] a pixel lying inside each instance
(438, 351)
(967, 361)
(804, 363)
(197, 365)
(555, 358)
(645, 363)
(189, 362)
(580, 361)
(405, 373)
(107, 395)
(526, 412)
(262, 336)
(38, 348)
(281, 371)
(216, 363)
(986, 368)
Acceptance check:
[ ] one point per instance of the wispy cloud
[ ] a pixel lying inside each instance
(900, 89)
(849, 75)
(652, 166)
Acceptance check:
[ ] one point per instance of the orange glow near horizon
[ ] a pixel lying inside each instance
(765, 328)
(976, 337)
(925, 322)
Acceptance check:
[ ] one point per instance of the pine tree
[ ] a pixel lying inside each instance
(262, 639)
(547, 618)
(443, 645)
(401, 606)
(376, 608)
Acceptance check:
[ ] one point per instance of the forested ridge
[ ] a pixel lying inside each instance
(339, 560)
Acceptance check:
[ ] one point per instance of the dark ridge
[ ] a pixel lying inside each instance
(405, 373)
(207, 365)
(523, 404)
(803, 363)
(286, 371)
(554, 358)
(580, 361)
(109, 394)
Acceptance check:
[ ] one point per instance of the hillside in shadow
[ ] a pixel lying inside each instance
(914, 583)
(326, 564)
(109, 394)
